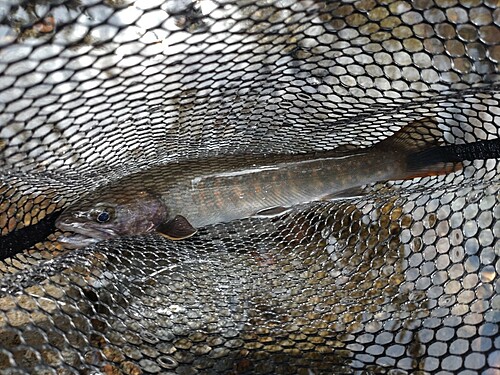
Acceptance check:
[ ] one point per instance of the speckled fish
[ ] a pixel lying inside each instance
(177, 198)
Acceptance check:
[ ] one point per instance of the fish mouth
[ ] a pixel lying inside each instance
(82, 236)
(76, 241)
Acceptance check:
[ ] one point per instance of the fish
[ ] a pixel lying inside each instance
(175, 199)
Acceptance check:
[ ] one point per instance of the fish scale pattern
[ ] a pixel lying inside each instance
(402, 280)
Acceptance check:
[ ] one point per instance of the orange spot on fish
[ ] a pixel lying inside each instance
(46, 25)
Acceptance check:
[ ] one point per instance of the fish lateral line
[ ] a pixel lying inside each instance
(279, 166)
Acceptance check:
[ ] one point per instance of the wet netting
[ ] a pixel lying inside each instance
(402, 279)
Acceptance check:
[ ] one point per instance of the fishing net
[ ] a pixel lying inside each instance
(402, 279)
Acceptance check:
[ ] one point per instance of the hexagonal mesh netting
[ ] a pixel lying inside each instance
(401, 280)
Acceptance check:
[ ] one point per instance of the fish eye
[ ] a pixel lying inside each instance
(102, 213)
(103, 216)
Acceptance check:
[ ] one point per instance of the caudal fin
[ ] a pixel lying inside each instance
(454, 154)
(432, 162)
(419, 145)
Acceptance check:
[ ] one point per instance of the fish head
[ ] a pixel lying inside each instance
(109, 215)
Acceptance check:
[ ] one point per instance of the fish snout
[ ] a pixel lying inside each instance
(76, 241)
(84, 228)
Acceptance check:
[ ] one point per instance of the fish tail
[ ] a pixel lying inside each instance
(454, 154)
(419, 145)
(433, 161)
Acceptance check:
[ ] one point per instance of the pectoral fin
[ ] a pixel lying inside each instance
(178, 228)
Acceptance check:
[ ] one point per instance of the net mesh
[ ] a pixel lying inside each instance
(401, 280)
